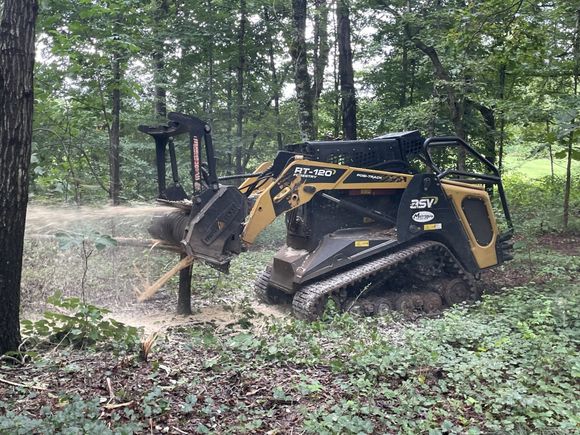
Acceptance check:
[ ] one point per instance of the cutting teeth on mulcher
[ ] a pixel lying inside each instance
(382, 285)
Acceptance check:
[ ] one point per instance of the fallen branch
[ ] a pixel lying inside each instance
(15, 384)
(123, 241)
(151, 290)
(117, 405)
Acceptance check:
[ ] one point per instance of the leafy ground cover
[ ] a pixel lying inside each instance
(509, 363)
(506, 364)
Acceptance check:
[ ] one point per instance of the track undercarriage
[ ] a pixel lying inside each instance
(421, 278)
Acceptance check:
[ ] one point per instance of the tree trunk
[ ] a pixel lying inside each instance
(336, 97)
(184, 294)
(159, 62)
(550, 150)
(240, 84)
(502, 74)
(210, 62)
(160, 86)
(488, 116)
(301, 77)
(568, 186)
(321, 46)
(345, 69)
(230, 118)
(114, 135)
(320, 56)
(274, 78)
(16, 100)
(412, 84)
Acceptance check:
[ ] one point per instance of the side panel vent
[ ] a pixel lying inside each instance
(476, 213)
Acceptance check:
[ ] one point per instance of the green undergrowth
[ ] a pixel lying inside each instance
(508, 364)
(537, 204)
(72, 322)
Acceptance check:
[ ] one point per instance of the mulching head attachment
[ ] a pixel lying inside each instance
(209, 225)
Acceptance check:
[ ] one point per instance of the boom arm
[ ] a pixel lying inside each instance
(302, 179)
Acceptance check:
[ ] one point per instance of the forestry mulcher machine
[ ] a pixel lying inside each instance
(365, 227)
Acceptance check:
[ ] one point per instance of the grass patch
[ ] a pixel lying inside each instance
(537, 168)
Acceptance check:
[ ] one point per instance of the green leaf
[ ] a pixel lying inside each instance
(103, 241)
(67, 240)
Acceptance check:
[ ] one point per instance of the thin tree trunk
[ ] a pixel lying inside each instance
(160, 86)
(301, 76)
(114, 136)
(16, 100)
(336, 106)
(240, 85)
(568, 186)
(346, 71)
(274, 79)
(550, 151)
(210, 61)
(321, 46)
(320, 57)
(406, 67)
(159, 62)
(502, 75)
(184, 294)
(230, 118)
(405, 73)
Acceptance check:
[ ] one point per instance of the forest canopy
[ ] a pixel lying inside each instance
(502, 75)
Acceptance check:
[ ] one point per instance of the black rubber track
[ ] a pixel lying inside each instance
(307, 301)
(266, 293)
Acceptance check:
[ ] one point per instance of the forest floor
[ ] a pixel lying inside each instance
(508, 363)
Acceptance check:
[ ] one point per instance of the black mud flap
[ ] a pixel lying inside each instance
(211, 231)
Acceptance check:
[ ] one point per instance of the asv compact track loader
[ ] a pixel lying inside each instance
(374, 224)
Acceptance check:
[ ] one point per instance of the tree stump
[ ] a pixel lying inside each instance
(184, 295)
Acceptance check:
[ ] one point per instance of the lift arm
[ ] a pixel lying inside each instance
(302, 179)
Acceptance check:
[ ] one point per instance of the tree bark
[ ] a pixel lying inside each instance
(184, 294)
(320, 55)
(240, 84)
(114, 135)
(159, 62)
(304, 95)
(346, 72)
(16, 101)
(210, 62)
(502, 77)
(488, 116)
(568, 186)
(550, 150)
(405, 73)
(275, 81)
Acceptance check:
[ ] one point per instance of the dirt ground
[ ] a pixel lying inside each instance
(115, 275)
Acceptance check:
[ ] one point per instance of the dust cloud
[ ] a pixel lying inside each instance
(48, 220)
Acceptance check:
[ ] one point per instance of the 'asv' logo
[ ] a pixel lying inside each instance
(425, 202)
